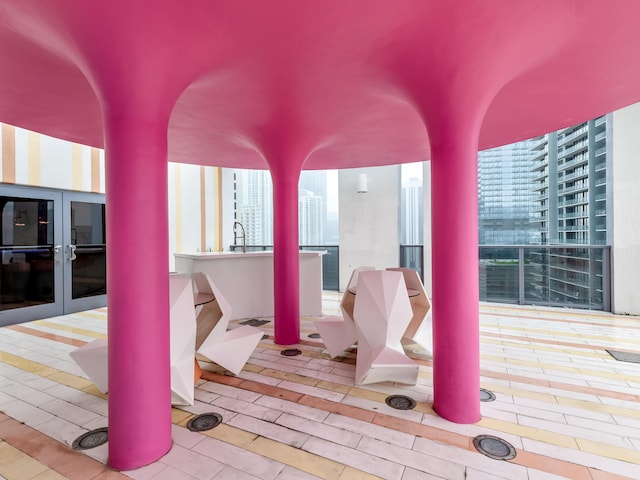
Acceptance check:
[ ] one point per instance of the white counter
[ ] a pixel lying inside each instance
(246, 279)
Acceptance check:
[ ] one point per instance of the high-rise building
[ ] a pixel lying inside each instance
(311, 218)
(254, 206)
(550, 190)
(505, 195)
(411, 212)
(570, 168)
(324, 229)
(253, 196)
(314, 181)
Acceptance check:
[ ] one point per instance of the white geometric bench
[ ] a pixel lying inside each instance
(92, 358)
(230, 349)
(382, 313)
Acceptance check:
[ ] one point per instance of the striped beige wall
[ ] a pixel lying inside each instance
(32, 159)
(195, 192)
(195, 209)
(8, 154)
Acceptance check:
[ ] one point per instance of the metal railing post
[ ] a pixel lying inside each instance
(521, 275)
(606, 279)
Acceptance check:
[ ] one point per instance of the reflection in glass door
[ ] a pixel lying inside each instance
(30, 253)
(86, 253)
(52, 253)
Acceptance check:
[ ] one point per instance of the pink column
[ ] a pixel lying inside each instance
(456, 356)
(138, 290)
(286, 259)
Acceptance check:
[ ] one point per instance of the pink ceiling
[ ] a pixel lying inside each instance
(331, 83)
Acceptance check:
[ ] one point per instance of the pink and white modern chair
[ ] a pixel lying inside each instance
(420, 327)
(339, 333)
(92, 360)
(382, 313)
(230, 349)
(92, 357)
(182, 339)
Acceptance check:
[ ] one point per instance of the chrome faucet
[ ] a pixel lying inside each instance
(243, 236)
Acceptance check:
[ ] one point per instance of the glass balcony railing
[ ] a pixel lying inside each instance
(412, 256)
(575, 276)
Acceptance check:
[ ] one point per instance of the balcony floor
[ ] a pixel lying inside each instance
(569, 409)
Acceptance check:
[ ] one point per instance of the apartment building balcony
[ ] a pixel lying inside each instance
(599, 182)
(536, 187)
(540, 154)
(574, 228)
(539, 208)
(601, 227)
(579, 146)
(581, 187)
(600, 197)
(580, 132)
(572, 202)
(543, 143)
(575, 161)
(582, 173)
(572, 215)
(540, 175)
(540, 197)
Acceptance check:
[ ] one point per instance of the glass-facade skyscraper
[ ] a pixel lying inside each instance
(505, 195)
(253, 197)
(570, 168)
(411, 212)
(551, 190)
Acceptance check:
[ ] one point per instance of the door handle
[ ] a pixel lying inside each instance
(72, 253)
(56, 253)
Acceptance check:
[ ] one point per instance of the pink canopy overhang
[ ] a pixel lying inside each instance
(348, 84)
(285, 84)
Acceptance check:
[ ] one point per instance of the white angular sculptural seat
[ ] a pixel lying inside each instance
(420, 328)
(182, 340)
(92, 357)
(382, 313)
(339, 333)
(230, 349)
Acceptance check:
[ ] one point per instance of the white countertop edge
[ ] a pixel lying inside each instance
(216, 255)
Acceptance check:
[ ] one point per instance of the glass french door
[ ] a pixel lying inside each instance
(53, 253)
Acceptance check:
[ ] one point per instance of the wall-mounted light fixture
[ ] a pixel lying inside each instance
(362, 183)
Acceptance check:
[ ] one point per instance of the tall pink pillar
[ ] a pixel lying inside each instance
(286, 257)
(456, 337)
(138, 290)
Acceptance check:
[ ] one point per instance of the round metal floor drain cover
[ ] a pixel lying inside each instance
(314, 335)
(291, 352)
(254, 322)
(400, 402)
(494, 447)
(206, 421)
(486, 395)
(91, 439)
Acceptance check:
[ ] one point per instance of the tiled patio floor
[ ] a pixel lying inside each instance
(569, 409)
